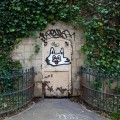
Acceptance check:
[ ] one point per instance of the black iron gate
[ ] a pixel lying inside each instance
(16, 89)
(100, 90)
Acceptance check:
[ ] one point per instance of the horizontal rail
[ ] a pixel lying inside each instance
(100, 90)
(18, 90)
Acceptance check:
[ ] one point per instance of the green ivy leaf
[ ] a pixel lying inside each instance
(11, 30)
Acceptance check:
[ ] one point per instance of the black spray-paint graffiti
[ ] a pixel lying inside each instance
(56, 59)
(55, 44)
(56, 33)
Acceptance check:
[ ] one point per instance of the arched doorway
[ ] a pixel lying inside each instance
(56, 67)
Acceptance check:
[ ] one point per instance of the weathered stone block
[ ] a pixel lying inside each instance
(16, 56)
(60, 25)
(74, 76)
(28, 41)
(79, 61)
(74, 70)
(76, 55)
(78, 47)
(38, 89)
(25, 52)
(20, 48)
(38, 77)
(74, 63)
(29, 56)
(73, 47)
(28, 64)
(39, 56)
(29, 48)
(38, 63)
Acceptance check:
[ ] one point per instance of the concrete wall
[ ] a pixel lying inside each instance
(25, 52)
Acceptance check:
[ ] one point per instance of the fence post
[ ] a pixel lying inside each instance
(81, 82)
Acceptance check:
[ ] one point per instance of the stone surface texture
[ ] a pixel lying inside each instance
(25, 52)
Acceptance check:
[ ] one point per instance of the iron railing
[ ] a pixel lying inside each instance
(16, 89)
(100, 90)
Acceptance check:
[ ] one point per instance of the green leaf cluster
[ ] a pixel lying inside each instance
(100, 19)
(115, 115)
(20, 18)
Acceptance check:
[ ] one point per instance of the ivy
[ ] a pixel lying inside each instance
(21, 18)
(100, 20)
(37, 48)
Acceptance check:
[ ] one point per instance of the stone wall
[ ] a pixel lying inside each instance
(25, 52)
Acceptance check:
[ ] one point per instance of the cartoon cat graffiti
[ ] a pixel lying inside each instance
(56, 59)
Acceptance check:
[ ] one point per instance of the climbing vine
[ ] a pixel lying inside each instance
(100, 19)
(21, 18)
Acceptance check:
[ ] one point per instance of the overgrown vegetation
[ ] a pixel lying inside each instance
(37, 48)
(116, 115)
(21, 18)
(100, 19)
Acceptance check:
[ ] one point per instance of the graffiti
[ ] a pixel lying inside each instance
(71, 116)
(55, 44)
(50, 88)
(62, 90)
(66, 44)
(56, 59)
(55, 33)
(49, 76)
(68, 116)
(45, 85)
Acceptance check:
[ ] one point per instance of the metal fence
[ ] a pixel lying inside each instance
(100, 90)
(16, 89)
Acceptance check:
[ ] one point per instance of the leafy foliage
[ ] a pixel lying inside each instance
(100, 19)
(118, 89)
(102, 32)
(37, 48)
(20, 18)
(97, 85)
(116, 115)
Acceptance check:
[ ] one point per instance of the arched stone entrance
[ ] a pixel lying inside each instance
(64, 42)
(56, 63)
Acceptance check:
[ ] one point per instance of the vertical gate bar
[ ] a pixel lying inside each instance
(81, 77)
(33, 82)
(28, 75)
(105, 96)
(12, 96)
(103, 87)
(23, 81)
(117, 92)
(26, 85)
(86, 91)
(18, 93)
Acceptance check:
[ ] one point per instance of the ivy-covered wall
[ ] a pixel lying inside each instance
(21, 18)
(99, 18)
(25, 53)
